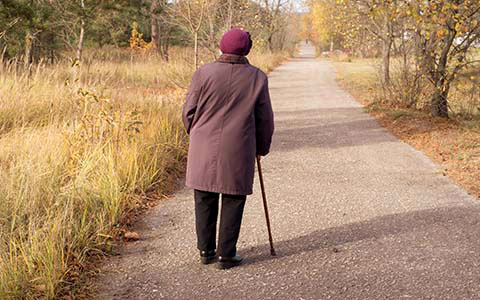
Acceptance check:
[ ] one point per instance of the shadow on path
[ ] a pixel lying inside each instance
(343, 129)
(457, 225)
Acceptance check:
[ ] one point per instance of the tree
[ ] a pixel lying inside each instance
(82, 34)
(445, 31)
(160, 27)
(357, 24)
(190, 16)
(23, 23)
(75, 17)
(383, 20)
(274, 12)
(323, 19)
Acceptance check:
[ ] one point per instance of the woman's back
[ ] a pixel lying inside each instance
(228, 104)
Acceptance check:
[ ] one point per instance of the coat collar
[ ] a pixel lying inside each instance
(233, 59)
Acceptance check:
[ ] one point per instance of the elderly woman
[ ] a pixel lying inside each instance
(229, 118)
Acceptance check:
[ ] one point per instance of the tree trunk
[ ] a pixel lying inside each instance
(212, 43)
(154, 25)
(387, 41)
(81, 37)
(51, 40)
(28, 49)
(404, 50)
(440, 100)
(165, 42)
(442, 84)
(165, 48)
(282, 42)
(80, 42)
(386, 52)
(164, 31)
(230, 15)
(270, 42)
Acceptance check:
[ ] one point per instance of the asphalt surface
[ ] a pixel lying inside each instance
(356, 214)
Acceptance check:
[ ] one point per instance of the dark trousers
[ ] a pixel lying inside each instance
(206, 212)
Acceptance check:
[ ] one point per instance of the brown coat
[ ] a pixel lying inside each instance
(229, 117)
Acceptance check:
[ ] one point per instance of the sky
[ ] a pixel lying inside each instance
(299, 5)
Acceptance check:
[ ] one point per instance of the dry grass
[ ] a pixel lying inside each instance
(406, 90)
(76, 156)
(267, 62)
(453, 144)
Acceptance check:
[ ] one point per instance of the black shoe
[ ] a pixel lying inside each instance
(207, 257)
(229, 262)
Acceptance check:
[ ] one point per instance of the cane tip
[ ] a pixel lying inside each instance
(272, 252)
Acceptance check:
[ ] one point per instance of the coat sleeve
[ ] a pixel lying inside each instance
(264, 124)
(190, 106)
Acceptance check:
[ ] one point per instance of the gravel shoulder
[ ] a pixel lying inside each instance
(356, 214)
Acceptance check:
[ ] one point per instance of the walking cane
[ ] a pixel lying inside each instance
(272, 250)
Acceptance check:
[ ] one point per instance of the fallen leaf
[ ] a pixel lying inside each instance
(131, 235)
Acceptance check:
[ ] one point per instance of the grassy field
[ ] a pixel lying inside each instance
(454, 144)
(78, 151)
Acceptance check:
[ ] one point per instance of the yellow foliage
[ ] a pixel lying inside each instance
(322, 23)
(136, 40)
(333, 21)
(307, 31)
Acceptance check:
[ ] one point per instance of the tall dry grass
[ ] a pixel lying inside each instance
(75, 155)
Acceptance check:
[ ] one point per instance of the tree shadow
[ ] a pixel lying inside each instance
(308, 57)
(327, 128)
(461, 222)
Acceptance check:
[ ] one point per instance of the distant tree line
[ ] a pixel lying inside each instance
(33, 30)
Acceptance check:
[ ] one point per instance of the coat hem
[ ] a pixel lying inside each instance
(218, 190)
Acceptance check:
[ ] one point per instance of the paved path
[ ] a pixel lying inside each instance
(356, 214)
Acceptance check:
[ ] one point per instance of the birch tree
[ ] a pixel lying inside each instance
(190, 16)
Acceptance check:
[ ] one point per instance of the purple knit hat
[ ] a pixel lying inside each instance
(236, 41)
